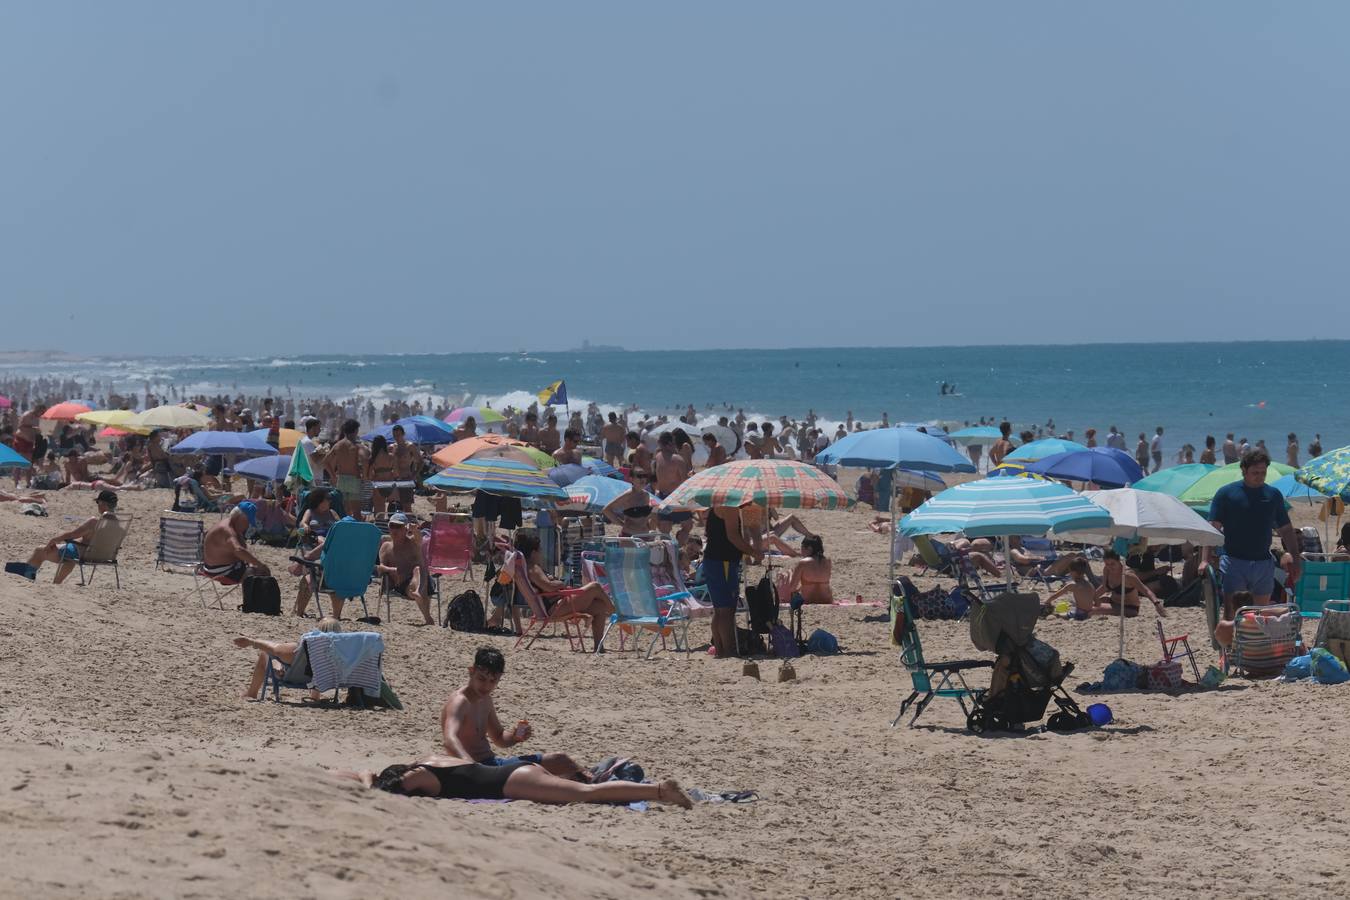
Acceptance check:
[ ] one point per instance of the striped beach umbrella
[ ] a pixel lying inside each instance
(778, 483)
(1328, 473)
(491, 445)
(998, 507)
(1043, 448)
(594, 492)
(506, 477)
(482, 415)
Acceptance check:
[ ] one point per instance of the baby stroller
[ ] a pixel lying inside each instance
(1028, 673)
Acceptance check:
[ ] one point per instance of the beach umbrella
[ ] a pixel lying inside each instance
(780, 483)
(1293, 490)
(1328, 473)
(482, 415)
(1201, 493)
(224, 443)
(978, 434)
(417, 429)
(170, 417)
(1043, 448)
(600, 467)
(492, 445)
(593, 493)
(112, 431)
(11, 457)
(301, 469)
(505, 477)
(1106, 466)
(265, 468)
(1146, 515)
(118, 418)
(65, 412)
(567, 473)
(1174, 480)
(998, 507)
(1008, 469)
(726, 437)
(287, 438)
(883, 448)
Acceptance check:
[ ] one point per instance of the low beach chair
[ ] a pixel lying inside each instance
(628, 573)
(928, 679)
(524, 593)
(103, 547)
(1265, 639)
(344, 569)
(1318, 583)
(327, 661)
(1170, 651)
(180, 547)
(945, 561)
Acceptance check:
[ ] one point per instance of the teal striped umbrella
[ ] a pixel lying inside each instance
(504, 477)
(1174, 481)
(1328, 473)
(995, 507)
(1043, 448)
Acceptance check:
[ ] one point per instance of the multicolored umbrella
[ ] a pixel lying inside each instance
(778, 483)
(482, 415)
(170, 417)
(1328, 473)
(1043, 448)
(492, 445)
(1200, 494)
(506, 477)
(1174, 480)
(65, 412)
(994, 507)
(287, 438)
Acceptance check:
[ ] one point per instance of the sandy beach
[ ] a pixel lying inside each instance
(133, 768)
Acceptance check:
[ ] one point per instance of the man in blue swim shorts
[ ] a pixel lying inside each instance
(64, 549)
(1247, 511)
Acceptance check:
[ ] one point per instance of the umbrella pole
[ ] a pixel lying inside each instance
(1007, 563)
(895, 532)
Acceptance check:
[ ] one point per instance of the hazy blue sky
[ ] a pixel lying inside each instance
(435, 176)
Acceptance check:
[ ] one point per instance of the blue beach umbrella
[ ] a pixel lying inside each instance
(594, 492)
(224, 443)
(1106, 466)
(600, 467)
(505, 477)
(1043, 448)
(11, 457)
(567, 473)
(417, 429)
(977, 434)
(265, 468)
(884, 448)
(996, 507)
(1293, 490)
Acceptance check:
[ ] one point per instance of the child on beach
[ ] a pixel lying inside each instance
(1084, 594)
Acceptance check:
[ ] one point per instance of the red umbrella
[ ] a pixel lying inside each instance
(66, 411)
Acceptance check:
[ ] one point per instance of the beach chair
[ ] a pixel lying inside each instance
(628, 574)
(943, 560)
(1318, 583)
(330, 661)
(450, 550)
(540, 616)
(1265, 639)
(670, 581)
(103, 547)
(1170, 651)
(344, 569)
(180, 547)
(928, 679)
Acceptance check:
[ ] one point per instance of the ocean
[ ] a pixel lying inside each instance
(1260, 390)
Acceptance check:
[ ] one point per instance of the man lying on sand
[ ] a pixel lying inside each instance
(65, 547)
(285, 652)
(225, 558)
(469, 721)
(459, 778)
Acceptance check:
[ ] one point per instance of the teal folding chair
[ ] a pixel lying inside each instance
(350, 551)
(637, 607)
(1318, 583)
(928, 679)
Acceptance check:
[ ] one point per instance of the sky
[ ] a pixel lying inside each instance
(320, 177)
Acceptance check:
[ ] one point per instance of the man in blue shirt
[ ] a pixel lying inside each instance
(1247, 511)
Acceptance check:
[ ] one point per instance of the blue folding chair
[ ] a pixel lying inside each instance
(628, 573)
(350, 552)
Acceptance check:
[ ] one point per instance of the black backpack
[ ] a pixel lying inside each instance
(465, 613)
(763, 605)
(262, 595)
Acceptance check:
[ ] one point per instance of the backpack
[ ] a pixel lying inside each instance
(262, 595)
(465, 613)
(750, 643)
(782, 642)
(821, 641)
(763, 605)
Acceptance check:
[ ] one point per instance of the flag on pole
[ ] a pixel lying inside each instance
(555, 394)
(301, 470)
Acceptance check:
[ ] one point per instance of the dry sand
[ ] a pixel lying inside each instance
(131, 767)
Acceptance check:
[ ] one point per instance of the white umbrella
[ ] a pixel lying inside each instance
(170, 417)
(1157, 518)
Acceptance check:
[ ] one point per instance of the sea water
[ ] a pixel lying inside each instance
(1258, 390)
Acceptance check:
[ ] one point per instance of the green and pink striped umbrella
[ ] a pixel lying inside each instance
(778, 483)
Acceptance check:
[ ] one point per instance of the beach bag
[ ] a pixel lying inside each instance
(822, 642)
(1165, 676)
(763, 605)
(262, 595)
(1122, 675)
(750, 643)
(929, 604)
(1327, 669)
(1298, 668)
(956, 604)
(783, 643)
(465, 613)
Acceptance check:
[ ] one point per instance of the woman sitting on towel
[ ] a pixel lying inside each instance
(811, 577)
(285, 652)
(463, 779)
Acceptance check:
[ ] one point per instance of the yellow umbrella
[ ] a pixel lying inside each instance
(113, 418)
(170, 417)
(287, 438)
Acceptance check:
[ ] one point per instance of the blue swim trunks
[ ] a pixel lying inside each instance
(69, 551)
(1255, 575)
(723, 578)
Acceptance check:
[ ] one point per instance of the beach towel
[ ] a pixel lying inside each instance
(345, 660)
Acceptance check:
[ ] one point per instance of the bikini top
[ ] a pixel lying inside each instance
(638, 512)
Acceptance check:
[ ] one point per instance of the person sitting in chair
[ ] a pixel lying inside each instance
(283, 652)
(64, 549)
(401, 562)
(225, 556)
(589, 599)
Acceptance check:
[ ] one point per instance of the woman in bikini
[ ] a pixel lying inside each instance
(1114, 574)
(811, 576)
(380, 468)
(463, 779)
(632, 510)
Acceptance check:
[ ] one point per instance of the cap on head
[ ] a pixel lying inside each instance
(398, 518)
(250, 511)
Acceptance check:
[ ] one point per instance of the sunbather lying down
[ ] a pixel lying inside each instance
(463, 779)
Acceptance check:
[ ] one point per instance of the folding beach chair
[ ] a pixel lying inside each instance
(928, 679)
(330, 661)
(450, 550)
(1170, 645)
(945, 561)
(628, 574)
(1265, 639)
(523, 592)
(180, 547)
(1318, 583)
(344, 570)
(103, 547)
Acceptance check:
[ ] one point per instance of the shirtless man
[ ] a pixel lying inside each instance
(469, 724)
(530, 432)
(407, 466)
(28, 440)
(670, 467)
(64, 549)
(225, 556)
(717, 454)
(549, 439)
(401, 562)
(611, 440)
(639, 457)
(343, 465)
(568, 453)
(768, 443)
